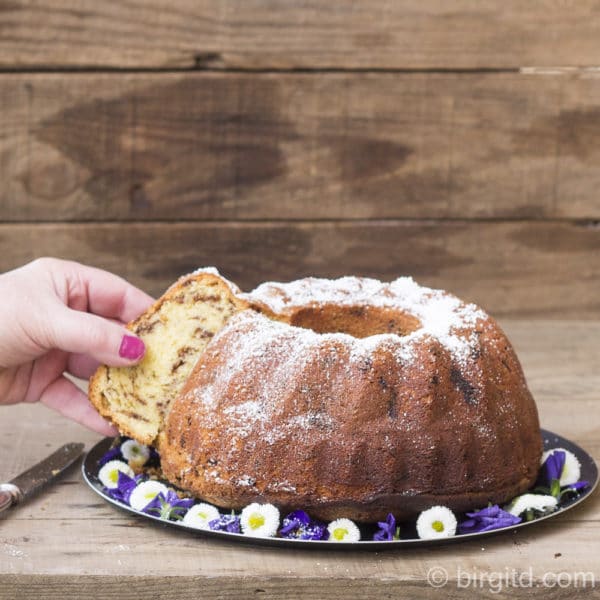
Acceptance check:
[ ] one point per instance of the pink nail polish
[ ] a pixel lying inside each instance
(132, 347)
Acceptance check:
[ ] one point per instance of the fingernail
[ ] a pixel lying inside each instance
(132, 347)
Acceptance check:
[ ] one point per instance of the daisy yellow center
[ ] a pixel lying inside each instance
(202, 515)
(150, 495)
(438, 526)
(339, 533)
(256, 520)
(135, 450)
(114, 475)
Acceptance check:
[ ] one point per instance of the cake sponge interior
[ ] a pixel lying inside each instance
(175, 330)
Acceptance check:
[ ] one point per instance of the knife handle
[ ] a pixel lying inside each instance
(9, 494)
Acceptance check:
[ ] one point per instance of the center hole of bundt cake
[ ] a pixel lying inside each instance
(358, 321)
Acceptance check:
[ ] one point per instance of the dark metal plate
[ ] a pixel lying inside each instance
(589, 473)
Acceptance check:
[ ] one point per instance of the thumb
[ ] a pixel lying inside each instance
(84, 333)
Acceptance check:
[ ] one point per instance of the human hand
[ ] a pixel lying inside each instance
(59, 316)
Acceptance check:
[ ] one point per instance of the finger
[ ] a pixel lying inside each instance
(104, 293)
(45, 369)
(65, 397)
(84, 333)
(82, 365)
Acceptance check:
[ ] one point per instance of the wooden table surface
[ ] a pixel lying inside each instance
(68, 543)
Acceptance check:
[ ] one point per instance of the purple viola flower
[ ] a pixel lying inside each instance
(112, 454)
(491, 517)
(229, 523)
(387, 530)
(552, 468)
(550, 473)
(125, 485)
(298, 525)
(575, 487)
(169, 507)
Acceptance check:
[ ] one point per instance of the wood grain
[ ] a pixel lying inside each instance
(511, 268)
(263, 34)
(66, 543)
(297, 146)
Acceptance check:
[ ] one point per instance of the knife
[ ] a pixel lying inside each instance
(31, 481)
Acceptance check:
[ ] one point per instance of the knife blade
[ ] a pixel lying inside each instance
(31, 481)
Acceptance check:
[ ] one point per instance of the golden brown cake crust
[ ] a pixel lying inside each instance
(421, 401)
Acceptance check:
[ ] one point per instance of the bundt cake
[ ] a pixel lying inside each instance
(350, 398)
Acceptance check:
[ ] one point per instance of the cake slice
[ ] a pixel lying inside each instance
(175, 330)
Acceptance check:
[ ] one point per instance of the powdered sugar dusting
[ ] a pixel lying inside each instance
(442, 316)
(210, 271)
(257, 344)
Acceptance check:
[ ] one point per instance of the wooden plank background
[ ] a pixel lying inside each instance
(526, 268)
(458, 143)
(287, 146)
(309, 34)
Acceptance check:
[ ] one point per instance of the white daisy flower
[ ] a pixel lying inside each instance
(571, 472)
(527, 502)
(145, 492)
(343, 530)
(109, 473)
(200, 515)
(259, 520)
(134, 453)
(436, 522)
